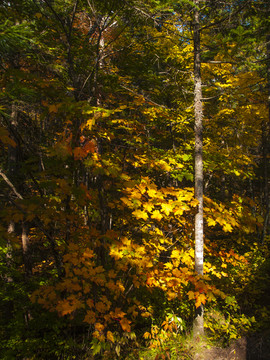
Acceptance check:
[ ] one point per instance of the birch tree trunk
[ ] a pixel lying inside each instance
(25, 249)
(198, 326)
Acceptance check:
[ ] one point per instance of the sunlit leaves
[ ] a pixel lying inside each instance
(104, 153)
(156, 215)
(139, 214)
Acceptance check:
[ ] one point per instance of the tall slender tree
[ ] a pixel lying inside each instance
(198, 114)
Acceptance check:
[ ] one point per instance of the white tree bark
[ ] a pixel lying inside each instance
(198, 327)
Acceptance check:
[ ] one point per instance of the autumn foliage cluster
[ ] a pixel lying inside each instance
(97, 175)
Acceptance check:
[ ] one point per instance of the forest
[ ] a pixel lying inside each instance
(134, 177)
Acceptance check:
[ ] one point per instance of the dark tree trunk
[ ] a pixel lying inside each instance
(266, 150)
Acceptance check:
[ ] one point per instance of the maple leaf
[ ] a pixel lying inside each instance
(126, 201)
(148, 207)
(179, 211)
(90, 303)
(194, 202)
(156, 215)
(78, 153)
(176, 272)
(164, 166)
(90, 146)
(126, 241)
(168, 266)
(146, 314)
(151, 192)
(167, 208)
(175, 254)
(118, 313)
(101, 307)
(147, 335)
(53, 108)
(65, 307)
(201, 298)
(139, 214)
(211, 222)
(171, 295)
(125, 324)
(90, 317)
(89, 123)
(227, 227)
(191, 295)
(110, 336)
(99, 326)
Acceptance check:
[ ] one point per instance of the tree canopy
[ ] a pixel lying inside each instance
(97, 173)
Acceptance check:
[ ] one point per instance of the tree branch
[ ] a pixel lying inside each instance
(6, 179)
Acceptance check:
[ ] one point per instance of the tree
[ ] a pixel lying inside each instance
(104, 95)
(198, 114)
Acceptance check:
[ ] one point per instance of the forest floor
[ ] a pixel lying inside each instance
(255, 347)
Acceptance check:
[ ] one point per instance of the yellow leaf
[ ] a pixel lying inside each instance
(96, 334)
(179, 211)
(227, 227)
(126, 241)
(90, 123)
(164, 166)
(151, 192)
(156, 215)
(99, 327)
(168, 266)
(148, 207)
(110, 336)
(211, 222)
(139, 214)
(175, 254)
(167, 208)
(126, 201)
(194, 202)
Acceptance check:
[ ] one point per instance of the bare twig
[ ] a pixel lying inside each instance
(6, 179)
(147, 99)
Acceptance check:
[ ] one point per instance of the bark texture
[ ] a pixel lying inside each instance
(198, 114)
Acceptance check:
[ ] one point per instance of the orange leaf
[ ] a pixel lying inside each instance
(191, 295)
(200, 300)
(90, 317)
(125, 324)
(90, 146)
